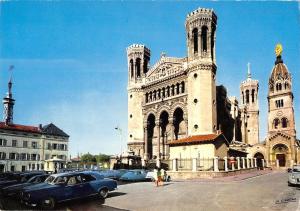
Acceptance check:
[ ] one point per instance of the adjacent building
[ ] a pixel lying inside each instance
(24, 147)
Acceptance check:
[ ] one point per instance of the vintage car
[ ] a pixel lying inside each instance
(113, 174)
(17, 178)
(14, 190)
(67, 186)
(134, 176)
(294, 176)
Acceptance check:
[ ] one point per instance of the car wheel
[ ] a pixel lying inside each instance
(103, 193)
(48, 203)
(290, 184)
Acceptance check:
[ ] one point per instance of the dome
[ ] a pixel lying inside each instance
(280, 71)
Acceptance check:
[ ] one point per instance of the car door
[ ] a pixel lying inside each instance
(88, 184)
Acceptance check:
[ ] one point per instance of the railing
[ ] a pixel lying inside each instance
(185, 164)
(205, 164)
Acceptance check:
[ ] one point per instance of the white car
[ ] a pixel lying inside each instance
(294, 176)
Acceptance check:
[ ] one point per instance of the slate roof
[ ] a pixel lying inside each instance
(51, 129)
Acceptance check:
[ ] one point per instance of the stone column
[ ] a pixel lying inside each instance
(158, 139)
(243, 163)
(251, 160)
(130, 162)
(255, 162)
(171, 122)
(175, 165)
(277, 163)
(238, 163)
(232, 166)
(216, 164)
(225, 164)
(194, 164)
(146, 143)
(158, 162)
(267, 163)
(143, 163)
(263, 163)
(247, 161)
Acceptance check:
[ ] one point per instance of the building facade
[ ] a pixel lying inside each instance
(176, 103)
(24, 147)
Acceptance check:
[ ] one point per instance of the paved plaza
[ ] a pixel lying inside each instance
(264, 190)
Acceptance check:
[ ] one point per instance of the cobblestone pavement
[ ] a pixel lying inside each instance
(268, 191)
(263, 190)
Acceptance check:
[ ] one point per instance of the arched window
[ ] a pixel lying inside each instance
(150, 96)
(253, 94)
(138, 67)
(284, 122)
(204, 38)
(195, 39)
(281, 103)
(247, 96)
(154, 95)
(145, 68)
(243, 97)
(182, 87)
(163, 92)
(159, 94)
(177, 89)
(212, 43)
(146, 97)
(276, 123)
(286, 85)
(131, 68)
(172, 90)
(278, 87)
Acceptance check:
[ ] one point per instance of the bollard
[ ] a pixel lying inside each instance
(238, 163)
(225, 164)
(216, 164)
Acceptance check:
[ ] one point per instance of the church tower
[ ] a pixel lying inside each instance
(138, 57)
(280, 99)
(249, 99)
(8, 103)
(201, 69)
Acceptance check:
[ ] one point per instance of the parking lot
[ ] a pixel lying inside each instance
(264, 192)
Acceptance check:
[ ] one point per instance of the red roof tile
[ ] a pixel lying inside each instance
(195, 139)
(23, 128)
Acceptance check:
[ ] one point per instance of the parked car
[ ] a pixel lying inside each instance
(113, 174)
(67, 186)
(17, 178)
(15, 190)
(294, 176)
(134, 176)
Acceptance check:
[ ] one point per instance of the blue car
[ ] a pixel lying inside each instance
(14, 190)
(134, 176)
(67, 186)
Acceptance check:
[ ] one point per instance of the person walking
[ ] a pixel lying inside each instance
(158, 181)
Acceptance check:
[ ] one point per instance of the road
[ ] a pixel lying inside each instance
(265, 192)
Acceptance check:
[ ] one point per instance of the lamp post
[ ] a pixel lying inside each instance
(119, 130)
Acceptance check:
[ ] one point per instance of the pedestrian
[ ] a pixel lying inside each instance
(158, 181)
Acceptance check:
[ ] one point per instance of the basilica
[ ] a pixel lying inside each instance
(176, 109)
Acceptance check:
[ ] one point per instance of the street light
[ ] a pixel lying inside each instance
(120, 133)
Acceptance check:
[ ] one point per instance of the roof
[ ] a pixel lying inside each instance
(196, 139)
(51, 129)
(22, 128)
(279, 72)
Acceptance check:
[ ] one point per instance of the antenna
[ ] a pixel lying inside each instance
(249, 72)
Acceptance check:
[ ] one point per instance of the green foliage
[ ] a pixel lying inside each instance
(101, 158)
(88, 158)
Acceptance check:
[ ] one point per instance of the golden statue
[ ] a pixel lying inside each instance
(278, 49)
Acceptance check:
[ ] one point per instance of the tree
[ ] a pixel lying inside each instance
(88, 158)
(101, 158)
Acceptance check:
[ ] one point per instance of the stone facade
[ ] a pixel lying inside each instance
(176, 97)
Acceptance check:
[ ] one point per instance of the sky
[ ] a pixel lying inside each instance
(71, 66)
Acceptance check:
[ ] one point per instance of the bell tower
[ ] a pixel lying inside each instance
(201, 69)
(280, 98)
(138, 57)
(249, 99)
